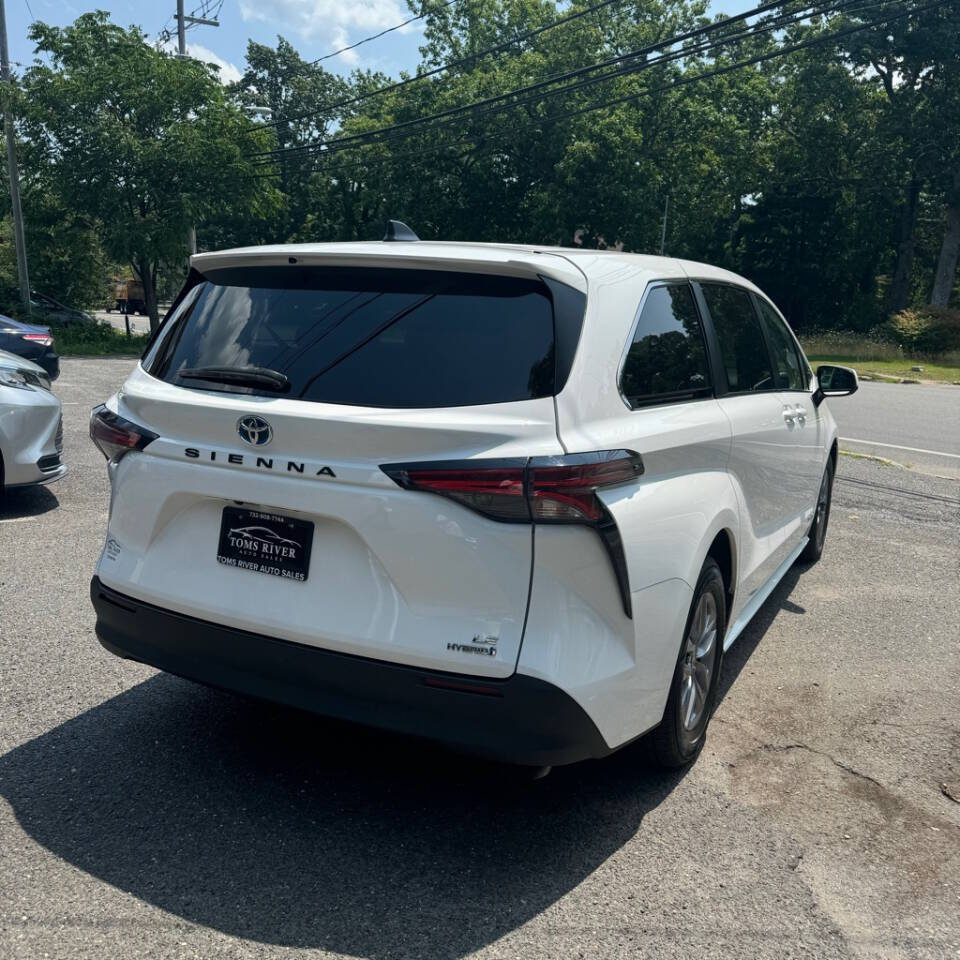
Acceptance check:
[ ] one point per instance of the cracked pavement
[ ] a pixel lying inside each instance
(143, 816)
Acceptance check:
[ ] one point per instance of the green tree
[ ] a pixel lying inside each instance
(67, 260)
(297, 100)
(139, 141)
(914, 61)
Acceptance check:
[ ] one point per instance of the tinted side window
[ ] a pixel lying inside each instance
(667, 359)
(742, 346)
(790, 368)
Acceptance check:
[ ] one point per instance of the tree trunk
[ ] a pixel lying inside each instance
(148, 277)
(946, 273)
(906, 244)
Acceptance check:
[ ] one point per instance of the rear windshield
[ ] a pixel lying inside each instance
(365, 337)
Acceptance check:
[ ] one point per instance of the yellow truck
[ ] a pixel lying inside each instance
(128, 296)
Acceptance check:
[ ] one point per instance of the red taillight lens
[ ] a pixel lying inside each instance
(561, 489)
(114, 435)
(564, 489)
(44, 339)
(494, 488)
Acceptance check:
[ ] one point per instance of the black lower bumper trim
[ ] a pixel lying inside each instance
(519, 720)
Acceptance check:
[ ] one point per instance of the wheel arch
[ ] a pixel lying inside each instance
(720, 542)
(722, 550)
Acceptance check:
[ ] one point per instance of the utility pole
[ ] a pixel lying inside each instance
(181, 30)
(18, 240)
(663, 232)
(182, 21)
(182, 50)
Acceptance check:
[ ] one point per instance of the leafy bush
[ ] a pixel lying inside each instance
(929, 330)
(94, 339)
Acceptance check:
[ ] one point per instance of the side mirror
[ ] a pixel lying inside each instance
(835, 382)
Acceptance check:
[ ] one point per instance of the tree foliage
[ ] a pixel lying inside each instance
(829, 175)
(137, 141)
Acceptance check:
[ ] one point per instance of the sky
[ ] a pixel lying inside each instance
(314, 27)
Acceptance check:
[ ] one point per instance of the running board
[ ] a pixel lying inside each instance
(757, 601)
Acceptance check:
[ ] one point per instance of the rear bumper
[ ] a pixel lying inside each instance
(519, 720)
(50, 361)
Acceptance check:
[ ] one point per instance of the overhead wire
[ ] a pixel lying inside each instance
(445, 117)
(692, 78)
(451, 64)
(382, 33)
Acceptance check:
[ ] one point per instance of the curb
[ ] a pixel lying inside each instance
(100, 356)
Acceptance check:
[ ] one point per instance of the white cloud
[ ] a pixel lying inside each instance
(229, 72)
(333, 23)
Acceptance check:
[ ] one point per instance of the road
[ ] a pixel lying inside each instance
(918, 424)
(143, 816)
(117, 320)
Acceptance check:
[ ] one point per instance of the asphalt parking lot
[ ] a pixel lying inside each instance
(143, 816)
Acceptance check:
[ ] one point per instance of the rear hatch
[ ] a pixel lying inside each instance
(276, 393)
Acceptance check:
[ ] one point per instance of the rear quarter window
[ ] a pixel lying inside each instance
(366, 337)
(667, 359)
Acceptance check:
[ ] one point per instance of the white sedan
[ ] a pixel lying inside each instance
(31, 428)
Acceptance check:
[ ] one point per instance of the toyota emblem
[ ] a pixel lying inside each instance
(255, 431)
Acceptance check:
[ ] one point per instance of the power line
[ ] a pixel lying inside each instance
(459, 62)
(444, 117)
(204, 15)
(580, 71)
(776, 25)
(686, 79)
(382, 33)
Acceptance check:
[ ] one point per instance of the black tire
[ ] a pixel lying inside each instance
(821, 518)
(682, 732)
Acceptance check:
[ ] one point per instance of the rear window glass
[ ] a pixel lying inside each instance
(364, 337)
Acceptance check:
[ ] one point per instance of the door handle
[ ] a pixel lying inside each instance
(788, 414)
(801, 413)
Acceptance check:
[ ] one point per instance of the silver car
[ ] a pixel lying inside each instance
(31, 428)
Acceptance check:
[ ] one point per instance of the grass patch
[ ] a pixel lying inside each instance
(75, 340)
(877, 353)
(891, 368)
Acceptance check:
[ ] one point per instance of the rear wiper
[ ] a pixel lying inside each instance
(241, 376)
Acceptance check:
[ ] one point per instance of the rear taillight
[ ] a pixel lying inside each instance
(495, 488)
(560, 489)
(564, 489)
(114, 435)
(44, 339)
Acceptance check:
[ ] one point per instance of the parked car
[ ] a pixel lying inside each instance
(515, 499)
(52, 311)
(31, 430)
(32, 342)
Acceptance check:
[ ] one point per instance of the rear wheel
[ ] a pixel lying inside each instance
(821, 518)
(682, 732)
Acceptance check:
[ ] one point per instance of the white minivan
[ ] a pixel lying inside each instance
(515, 499)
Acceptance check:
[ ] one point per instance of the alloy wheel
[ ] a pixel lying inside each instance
(699, 660)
